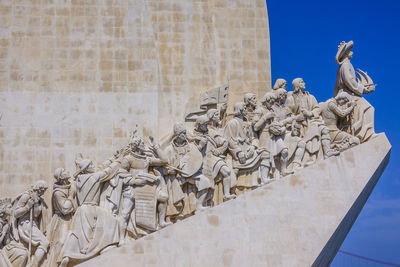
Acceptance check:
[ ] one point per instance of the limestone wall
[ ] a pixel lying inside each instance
(300, 220)
(78, 75)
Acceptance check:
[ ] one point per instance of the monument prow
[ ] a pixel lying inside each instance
(299, 220)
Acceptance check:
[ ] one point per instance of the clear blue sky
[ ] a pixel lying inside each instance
(304, 40)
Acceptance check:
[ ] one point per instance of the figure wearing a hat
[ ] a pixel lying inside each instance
(362, 124)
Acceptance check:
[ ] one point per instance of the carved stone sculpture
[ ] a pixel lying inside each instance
(188, 188)
(254, 110)
(12, 253)
(334, 112)
(214, 147)
(362, 121)
(272, 132)
(64, 205)
(243, 146)
(316, 133)
(93, 228)
(31, 215)
(280, 83)
(145, 191)
(296, 146)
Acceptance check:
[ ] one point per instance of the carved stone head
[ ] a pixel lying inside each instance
(342, 98)
(137, 144)
(298, 85)
(61, 175)
(214, 115)
(40, 187)
(180, 131)
(281, 95)
(268, 99)
(83, 165)
(250, 99)
(240, 109)
(280, 83)
(345, 51)
(201, 123)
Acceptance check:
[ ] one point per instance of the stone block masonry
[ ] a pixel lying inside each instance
(79, 75)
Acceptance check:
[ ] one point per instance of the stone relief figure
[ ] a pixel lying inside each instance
(280, 83)
(362, 121)
(144, 195)
(64, 205)
(213, 147)
(93, 228)
(333, 111)
(296, 146)
(244, 147)
(30, 218)
(12, 253)
(316, 134)
(188, 188)
(254, 110)
(272, 132)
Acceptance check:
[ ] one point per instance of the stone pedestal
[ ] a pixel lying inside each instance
(300, 220)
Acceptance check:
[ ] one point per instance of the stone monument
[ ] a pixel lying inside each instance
(188, 157)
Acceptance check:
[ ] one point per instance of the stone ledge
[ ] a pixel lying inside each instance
(300, 220)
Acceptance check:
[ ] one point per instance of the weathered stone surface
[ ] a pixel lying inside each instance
(299, 220)
(77, 76)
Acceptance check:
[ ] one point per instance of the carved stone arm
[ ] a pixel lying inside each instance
(65, 204)
(25, 203)
(338, 111)
(158, 162)
(259, 124)
(104, 175)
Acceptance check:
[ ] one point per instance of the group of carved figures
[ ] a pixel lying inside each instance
(144, 186)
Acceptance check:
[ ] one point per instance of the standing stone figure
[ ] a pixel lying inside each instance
(362, 121)
(12, 253)
(64, 205)
(316, 133)
(31, 215)
(272, 132)
(93, 228)
(188, 188)
(213, 147)
(143, 190)
(333, 111)
(254, 110)
(243, 146)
